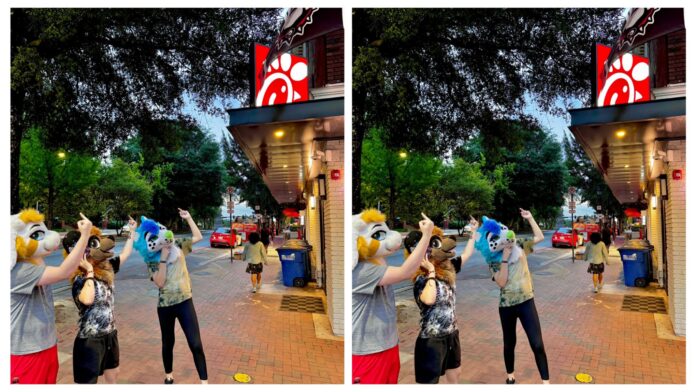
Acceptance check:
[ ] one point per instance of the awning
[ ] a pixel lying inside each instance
(623, 140)
(282, 140)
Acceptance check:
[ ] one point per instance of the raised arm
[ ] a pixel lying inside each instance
(429, 294)
(469, 250)
(69, 265)
(197, 236)
(128, 249)
(160, 277)
(87, 293)
(501, 277)
(538, 234)
(409, 267)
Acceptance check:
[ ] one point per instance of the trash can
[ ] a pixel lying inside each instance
(294, 260)
(636, 257)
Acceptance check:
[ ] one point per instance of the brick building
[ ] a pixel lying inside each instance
(640, 148)
(298, 150)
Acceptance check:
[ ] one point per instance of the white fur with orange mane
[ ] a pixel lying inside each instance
(30, 237)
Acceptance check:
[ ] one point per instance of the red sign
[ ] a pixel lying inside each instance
(627, 81)
(335, 174)
(285, 78)
(676, 175)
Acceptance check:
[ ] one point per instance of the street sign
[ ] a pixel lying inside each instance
(571, 190)
(571, 204)
(230, 204)
(258, 208)
(230, 189)
(230, 210)
(599, 208)
(571, 211)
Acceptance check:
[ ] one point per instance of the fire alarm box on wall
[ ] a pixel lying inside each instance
(336, 174)
(677, 175)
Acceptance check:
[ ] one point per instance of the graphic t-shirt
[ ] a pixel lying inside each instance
(32, 316)
(437, 319)
(177, 285)
(97, 319)
(519, 286)
(374, 311)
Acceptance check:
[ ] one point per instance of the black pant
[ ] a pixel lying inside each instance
(188, 320)
(527, 313)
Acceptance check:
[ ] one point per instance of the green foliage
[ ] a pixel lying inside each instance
(583, 175)
(56, 183)
(465, 189)
(89, 77)
(430, 78)
(247, 182)
(122, 190)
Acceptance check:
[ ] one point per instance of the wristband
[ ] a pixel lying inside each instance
(89, 278)
(430, 278)
(163, 261)
(504, 261)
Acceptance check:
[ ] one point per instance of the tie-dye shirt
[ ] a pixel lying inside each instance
(97, 319)
(177, 284)
(437, 319)
(519, 287)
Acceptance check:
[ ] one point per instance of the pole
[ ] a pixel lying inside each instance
(231, 245)
(572, 231)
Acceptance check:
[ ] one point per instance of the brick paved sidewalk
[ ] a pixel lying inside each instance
(241, 331)
(582, 331)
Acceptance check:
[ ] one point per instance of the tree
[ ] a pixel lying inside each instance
(89, 77)
(247, 182)
(430, 78)
(55, 179)
(465, 189)
(122, 190)
(583, 175)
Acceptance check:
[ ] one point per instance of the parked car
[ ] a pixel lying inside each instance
(220, 237)
(566, 236)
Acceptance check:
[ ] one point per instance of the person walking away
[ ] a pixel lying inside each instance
(606, 236)
(255, 255)
(597, 254)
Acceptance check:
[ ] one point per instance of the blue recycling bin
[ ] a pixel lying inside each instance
(635, 261)
(294, 261)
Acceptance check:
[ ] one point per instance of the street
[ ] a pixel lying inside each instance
(134, 266)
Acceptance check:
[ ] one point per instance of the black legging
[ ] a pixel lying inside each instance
(527, 313)
(188, 320)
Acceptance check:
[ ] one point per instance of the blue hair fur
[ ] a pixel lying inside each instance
(488, 226)
(140, 245)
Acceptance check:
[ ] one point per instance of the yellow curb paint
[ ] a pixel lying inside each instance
(583, 378)
(242, 377)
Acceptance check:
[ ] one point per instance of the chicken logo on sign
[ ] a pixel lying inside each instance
(285, 78)
(627, 81)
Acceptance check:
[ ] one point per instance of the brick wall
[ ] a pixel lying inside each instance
(675, 219)
(333, 220)
(334, 57)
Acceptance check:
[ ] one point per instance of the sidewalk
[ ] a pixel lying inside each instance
(583, 331)
(241, 331)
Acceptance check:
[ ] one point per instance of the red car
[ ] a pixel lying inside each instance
(220, 237)
(566, 236)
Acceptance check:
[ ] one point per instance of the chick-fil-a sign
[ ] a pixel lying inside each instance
(627, 81)
(285, 78)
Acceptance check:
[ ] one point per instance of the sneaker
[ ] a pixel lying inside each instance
(601, 285)
(253, 290)
(509, 381)
(168, 380)
(258, 286)
(595, 289)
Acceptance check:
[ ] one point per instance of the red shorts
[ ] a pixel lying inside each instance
(35, 368)
(378, 368)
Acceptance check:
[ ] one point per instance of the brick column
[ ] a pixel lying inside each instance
(675, 219)
(333, 221)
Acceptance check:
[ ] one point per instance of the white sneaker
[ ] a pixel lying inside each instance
(595, 290)
(601, 286)
(258, 286)
(253, 290)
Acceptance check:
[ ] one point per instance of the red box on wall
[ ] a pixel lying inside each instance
(676, 175)
(336, 174)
